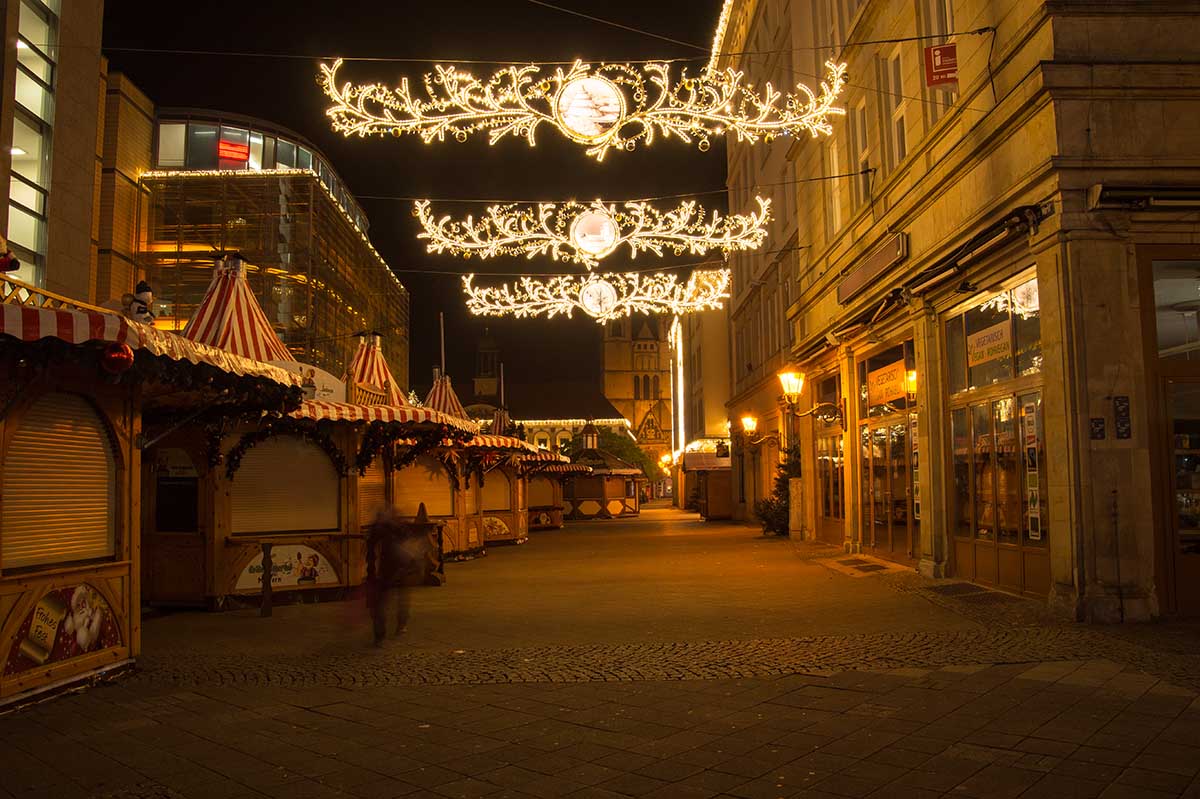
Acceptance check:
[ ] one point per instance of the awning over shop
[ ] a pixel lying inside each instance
(230, 317)
(346, 412)
(546, 455)
(77, 323)
(704, 462)
(564, 468)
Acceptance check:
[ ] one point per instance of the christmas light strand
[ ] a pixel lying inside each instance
(585, 234)
(604, 298)
(610, 106)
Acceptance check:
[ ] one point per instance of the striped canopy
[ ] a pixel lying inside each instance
(346, 412)
(230, 317)
(368, 367)
(442, 398)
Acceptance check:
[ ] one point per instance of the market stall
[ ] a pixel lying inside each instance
(545, 477)
(84, 391)
(610, 490)
(291, 492)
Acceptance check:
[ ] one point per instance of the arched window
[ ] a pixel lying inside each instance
(657, 387)
(285, 484)
(60, 484)
(645, 386)
(637, 387)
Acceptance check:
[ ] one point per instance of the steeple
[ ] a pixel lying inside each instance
(487, 369)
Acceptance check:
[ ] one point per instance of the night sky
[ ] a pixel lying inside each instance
(285, 91)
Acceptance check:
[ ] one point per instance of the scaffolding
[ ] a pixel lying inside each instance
(316, 275)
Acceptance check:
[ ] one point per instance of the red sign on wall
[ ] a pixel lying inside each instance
(941, 64)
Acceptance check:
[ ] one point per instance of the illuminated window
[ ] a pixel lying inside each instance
(860, 150)
(172, 142)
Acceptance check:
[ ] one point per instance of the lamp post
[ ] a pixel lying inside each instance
(792, 383)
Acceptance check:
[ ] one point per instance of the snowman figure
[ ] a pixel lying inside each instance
(135, 306)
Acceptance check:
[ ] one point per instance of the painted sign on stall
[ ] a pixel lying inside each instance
(64, 624)
(291, 567)
(887, 384)
(989, 344)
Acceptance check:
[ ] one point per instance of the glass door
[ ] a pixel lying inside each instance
(888, 481)
(1184, 401)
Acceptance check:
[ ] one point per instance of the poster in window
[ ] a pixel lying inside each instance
(1033, 495)
(886, 384)
(990, 344)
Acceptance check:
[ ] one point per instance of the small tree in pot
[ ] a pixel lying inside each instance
(772, 512)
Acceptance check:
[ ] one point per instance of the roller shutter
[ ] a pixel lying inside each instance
(473, 499)
(497, 492)
(541, 492)
(424, 480)
(285, 484)
(59, 486)
(370, 493)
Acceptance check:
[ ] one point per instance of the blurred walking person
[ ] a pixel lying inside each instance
(390, 560)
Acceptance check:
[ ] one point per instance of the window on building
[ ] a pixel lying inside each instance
(172, 144)
(657, 388)
(637, 387)
(233, 148)
(860, 151)
(892, 82)
(887, 381)
(202, 146)
(256, 151)
(304, 158)
(285, 154)
(1175, 293)
(563, 439)
(833, 190)
(543, 442)
(939, 22)
(997, 340)
(645, 386)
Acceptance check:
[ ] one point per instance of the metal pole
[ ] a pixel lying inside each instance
(265, 610)
(502, 384)
(442, 338)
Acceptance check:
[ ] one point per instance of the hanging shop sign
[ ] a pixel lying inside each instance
(891, 252)
(990, 344)
(887, 384)
(291, 567)
(941, 65)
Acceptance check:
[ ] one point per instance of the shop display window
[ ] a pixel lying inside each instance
(997, 340)
(887, 381)
(1177, 305)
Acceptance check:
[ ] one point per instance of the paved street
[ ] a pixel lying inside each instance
(661, 657)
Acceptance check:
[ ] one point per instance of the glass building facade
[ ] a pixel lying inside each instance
(225, 182)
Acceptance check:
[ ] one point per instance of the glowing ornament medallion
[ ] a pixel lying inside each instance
(585, 234)
(606, 107)
(604, 298)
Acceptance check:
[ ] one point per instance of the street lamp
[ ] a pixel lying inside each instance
(750, 427)
(793, 386)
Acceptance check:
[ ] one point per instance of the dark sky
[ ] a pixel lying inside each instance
(285, 91)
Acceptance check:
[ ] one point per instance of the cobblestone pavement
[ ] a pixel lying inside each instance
(659, 658)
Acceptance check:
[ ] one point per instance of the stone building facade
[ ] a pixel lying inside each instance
(637, 379)
(997, 278)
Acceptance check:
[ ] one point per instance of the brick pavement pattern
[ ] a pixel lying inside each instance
(632, 680)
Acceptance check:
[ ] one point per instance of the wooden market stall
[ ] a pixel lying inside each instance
(545, 474)
(609, 491)
(708, 477)
(292, 491)
(84, 392)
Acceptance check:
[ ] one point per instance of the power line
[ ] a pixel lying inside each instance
(511, 201)
(642, 31)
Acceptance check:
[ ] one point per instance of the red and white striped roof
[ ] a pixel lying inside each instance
(345, 412)
(546, 455)
(563, 468)
(482, 441)
(79, 325)
(230, 317)
(442, 398)
(369, 367)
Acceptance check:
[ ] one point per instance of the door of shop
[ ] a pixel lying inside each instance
(890, 525)
(173, 544)
(1183, 542)
(831, 511)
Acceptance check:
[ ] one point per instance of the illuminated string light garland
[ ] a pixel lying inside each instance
(610, 106)
(584, 234)
(604, 298)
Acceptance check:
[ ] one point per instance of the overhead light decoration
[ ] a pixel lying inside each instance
(585, 234)
(603, 297)
(606, 107)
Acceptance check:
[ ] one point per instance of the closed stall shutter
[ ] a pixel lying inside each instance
(496, 492)
(285, 484)
(370, 493)
(473, 499)
(424, 480)
(541, 492)
(60, 483)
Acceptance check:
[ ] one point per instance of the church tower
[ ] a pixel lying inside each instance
(487, 370)
(637, 378)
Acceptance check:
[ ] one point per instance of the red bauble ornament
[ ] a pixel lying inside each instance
(117, 358)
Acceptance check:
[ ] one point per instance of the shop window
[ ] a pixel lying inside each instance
(1177, 304)
(829, 390)
(543, 442)
(887, 381)
(255, 153)
(304, 159)
(424, 480)
(233, 148)
(830, 472)
(285, 484)
(202, 146)
(176, 492)
(285, 154)
(172, 140)
(997, 340)
(629, 489)
(60, 486)
(497, 492)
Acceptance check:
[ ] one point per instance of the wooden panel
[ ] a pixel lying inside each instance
(963, 566)
(174, 567)
(1009, 563)
(985, 563)
(1037, 573)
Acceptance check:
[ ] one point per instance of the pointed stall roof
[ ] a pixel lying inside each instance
(442, 398)
(369, 368)
(229, 317)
